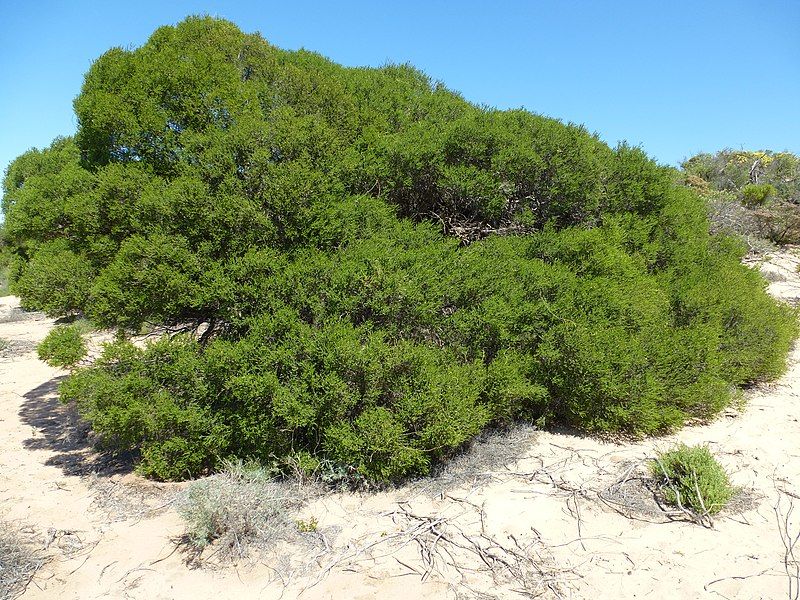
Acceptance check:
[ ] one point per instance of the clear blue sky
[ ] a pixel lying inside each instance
(675, 77)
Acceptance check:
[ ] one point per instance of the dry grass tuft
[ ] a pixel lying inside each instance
(18, 563)
(122, 501)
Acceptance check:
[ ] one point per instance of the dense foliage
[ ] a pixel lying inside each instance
(368, 269)
(64, 346)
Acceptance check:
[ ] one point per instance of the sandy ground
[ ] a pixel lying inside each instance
(535, 514)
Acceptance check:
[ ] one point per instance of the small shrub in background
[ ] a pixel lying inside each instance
(692, 478)
(697, 183)
(757, 194)
(63, 347)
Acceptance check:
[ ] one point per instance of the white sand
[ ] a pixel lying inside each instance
(539, 521)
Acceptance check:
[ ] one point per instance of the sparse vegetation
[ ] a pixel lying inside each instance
(692, 478)
(362, 271)
(309, 525)
(64, 346)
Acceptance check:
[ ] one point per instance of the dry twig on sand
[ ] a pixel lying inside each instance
(446, 547)
(791, 541)
(459, 550)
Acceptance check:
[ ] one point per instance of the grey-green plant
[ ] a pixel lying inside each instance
(19, 561)
(240, 507)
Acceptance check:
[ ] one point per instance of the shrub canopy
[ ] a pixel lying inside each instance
(379, 269)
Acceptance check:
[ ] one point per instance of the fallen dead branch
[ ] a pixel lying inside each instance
(455, 547)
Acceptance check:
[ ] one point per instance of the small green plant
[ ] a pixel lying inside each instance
(64, 346)
(302, 466)
(757, 194)
(692, 478)
(307, 526)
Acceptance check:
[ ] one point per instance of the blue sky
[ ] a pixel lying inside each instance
(675, 77)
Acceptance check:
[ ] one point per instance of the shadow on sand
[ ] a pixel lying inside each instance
(59, 428)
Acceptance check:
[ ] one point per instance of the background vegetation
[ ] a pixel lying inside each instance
(5, 263)
(358, 267)
(753, 194)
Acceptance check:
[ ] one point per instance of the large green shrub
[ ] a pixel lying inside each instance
(366, 269)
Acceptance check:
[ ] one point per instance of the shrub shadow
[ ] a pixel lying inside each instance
(60, 429)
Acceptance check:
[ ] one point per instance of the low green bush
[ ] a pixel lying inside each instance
(692, 478)
(757, 194)
(154, 401)
(64, 346)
